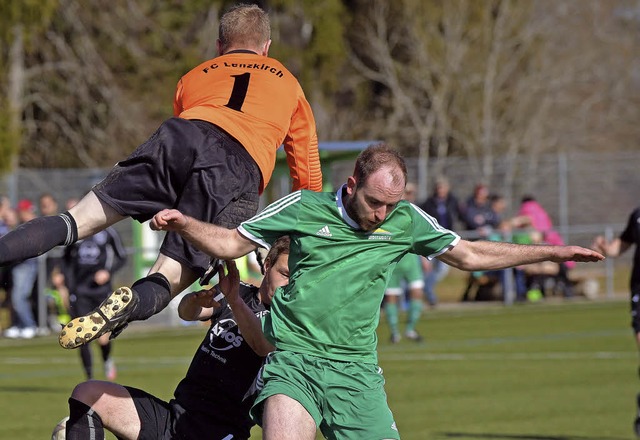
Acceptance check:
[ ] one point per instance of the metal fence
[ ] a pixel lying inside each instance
(585, 193)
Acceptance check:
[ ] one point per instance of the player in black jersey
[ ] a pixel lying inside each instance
(88, 266)
(629, 237)
(210, 401)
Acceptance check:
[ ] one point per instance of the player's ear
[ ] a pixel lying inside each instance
(265, 48)
(267, 265)
(351, 185)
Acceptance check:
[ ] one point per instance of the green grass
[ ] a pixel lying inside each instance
(564, 371)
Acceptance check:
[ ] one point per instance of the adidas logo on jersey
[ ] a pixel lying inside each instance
(324, 232)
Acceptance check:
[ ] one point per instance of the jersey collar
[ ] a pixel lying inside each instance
(241, 51)
(343, 211)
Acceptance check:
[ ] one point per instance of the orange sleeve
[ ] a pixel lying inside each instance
(301, 148)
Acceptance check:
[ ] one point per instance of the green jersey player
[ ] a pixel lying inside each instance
(344, 247)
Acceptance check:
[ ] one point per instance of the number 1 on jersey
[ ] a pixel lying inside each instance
(239, 92)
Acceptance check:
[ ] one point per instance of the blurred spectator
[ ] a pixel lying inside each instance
(479, 215)
(540, 220)
(445, 208)
(543, 277)
(55, 290)
(8, 221)
(8, 217)
(24, 276)
(484, 213)
(47, 204)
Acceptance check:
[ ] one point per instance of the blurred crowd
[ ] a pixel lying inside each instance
(483, 215)
(19, 305)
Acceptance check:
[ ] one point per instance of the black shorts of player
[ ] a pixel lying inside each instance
(635, 309)
(192, 166)
(160, 420)
(81, 305)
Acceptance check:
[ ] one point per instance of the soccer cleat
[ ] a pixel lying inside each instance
(110, 316)
(413, 336)
(395, 338)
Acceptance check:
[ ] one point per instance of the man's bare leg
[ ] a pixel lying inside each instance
(93, 215)
(285, 418)
(179, 276)
(98, 405)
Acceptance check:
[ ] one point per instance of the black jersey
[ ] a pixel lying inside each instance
(81, 261)
(631, 235)
(222, 371)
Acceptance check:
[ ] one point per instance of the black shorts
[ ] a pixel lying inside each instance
(81, 305)
(192, 166)
(161, 420)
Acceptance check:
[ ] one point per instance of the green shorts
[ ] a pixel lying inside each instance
(345, 399)
(408, 270)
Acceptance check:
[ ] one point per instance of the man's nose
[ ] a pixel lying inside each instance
(380, 213)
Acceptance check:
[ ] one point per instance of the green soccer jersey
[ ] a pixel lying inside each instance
(338, 272)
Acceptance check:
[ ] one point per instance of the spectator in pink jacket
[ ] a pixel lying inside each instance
(540, 221)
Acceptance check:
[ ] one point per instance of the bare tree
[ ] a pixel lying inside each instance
(497, 79)
(99, 80)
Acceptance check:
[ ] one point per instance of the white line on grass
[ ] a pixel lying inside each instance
(600, 355)
(125, 360)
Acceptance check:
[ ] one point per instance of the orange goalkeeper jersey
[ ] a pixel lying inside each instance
(260, 103)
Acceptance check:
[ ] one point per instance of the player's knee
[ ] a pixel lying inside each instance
(177, 275)
(92, 215)
(87, 392)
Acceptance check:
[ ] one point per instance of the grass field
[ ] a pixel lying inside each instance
(562, 371)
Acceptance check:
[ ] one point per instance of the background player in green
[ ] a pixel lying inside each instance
(408, 275)
(344, 247)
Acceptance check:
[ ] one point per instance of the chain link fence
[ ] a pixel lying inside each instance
(585, 193)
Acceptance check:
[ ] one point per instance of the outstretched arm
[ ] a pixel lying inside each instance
(248, 323)
(214, 240)
(491, 255)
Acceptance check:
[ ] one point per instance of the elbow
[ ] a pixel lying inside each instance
(468, 267)
(468, 262)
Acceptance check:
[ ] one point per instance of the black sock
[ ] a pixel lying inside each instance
(37, 237)
(154, 294)
(87, 361)
(83, 422)
(106, 351)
